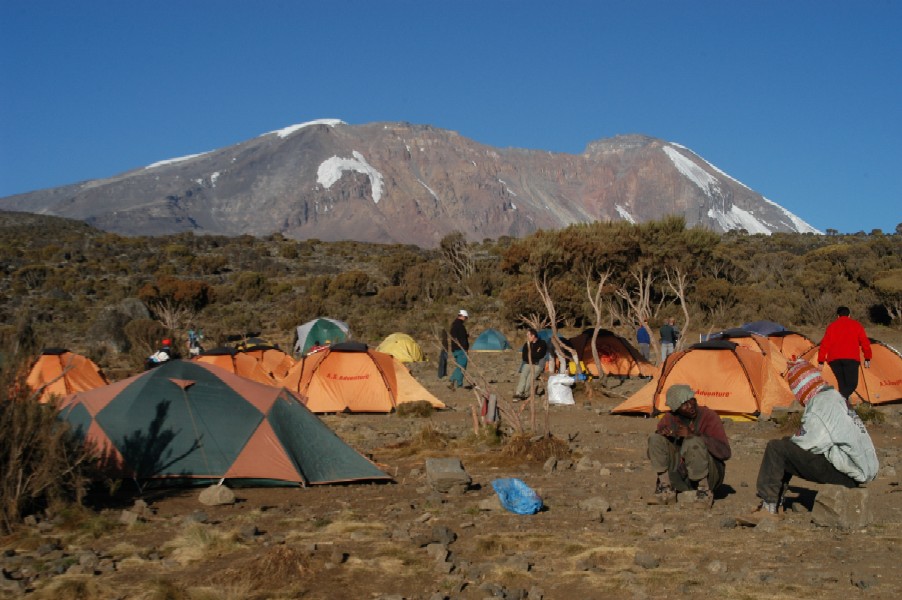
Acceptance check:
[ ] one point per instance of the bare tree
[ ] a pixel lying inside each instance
(676, 279)
(459, 256)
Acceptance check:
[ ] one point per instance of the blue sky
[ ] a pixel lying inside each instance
(799, 100)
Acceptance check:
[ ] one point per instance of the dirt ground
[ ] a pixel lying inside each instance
(597, 536)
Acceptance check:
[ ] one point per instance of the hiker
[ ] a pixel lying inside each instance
(194, 339)
(643, 338)
(688, 450)
(164, 354)
(460, 345)
(534, 354)
(669, 337)
(832, 445)
(843, 344)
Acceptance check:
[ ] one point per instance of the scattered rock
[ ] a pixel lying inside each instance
(491, 503)
(217, 495)
(550, 465)
(646, 560)
(447, 475)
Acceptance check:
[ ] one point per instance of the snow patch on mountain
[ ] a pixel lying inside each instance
(170, 161)
(285, 132)
(800, 225)
(625, 214)
(736, 218)
(429, 189)
(704, 180)
(333, 168)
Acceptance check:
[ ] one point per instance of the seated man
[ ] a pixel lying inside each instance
(688, 450)
(832, 445)
(534, 354)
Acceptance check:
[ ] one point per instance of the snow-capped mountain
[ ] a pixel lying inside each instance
(403, 183)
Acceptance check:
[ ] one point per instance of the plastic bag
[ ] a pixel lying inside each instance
(516, 496)
(559, 391)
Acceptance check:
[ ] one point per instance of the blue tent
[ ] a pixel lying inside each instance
(490, 340)
(763, 327)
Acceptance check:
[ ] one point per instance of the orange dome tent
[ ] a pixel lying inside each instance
(733, 380)
(616, 355)
(58, 372)
(349, 377)
(879, 384)
(239, 363)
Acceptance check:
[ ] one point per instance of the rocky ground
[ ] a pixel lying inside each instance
(597, 536)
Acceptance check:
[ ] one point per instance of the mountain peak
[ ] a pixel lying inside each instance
(404, 183)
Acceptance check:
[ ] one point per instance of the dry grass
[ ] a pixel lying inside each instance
(420, 409)
(200, 541)
(426, 439)
(73, 588)
(536, 449)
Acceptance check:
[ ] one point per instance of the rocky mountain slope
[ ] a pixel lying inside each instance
(397, 182)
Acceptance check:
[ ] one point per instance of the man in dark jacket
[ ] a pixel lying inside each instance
(842, 347)
(460, 345)
(534, 354)
(688, 450)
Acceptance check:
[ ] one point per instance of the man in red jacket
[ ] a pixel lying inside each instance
(843, 344)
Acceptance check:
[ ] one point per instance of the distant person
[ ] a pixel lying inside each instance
(688, 450)
(194, 339)
(669, 336)
(843, 344)
(643, 338)
(318, 347)
(832, 445)
(460, 345)
(164, 354)
(534, 354)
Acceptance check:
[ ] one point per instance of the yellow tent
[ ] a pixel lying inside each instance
(402, 347)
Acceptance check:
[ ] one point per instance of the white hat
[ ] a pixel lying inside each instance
(463, 313)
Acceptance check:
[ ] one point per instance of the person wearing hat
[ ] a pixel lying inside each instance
(460, 345)
(832, 445)
(688, 450)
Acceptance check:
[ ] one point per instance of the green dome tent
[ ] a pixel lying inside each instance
(320, 331)
(195, 421)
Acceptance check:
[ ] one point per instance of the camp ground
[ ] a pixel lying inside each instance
(403, 347)
(189, 420)
(616, 355)
(239, 363)
(490, 340)
(881, 383)
(58, 372)
(735, 381)
(318, 332)
(350, 377)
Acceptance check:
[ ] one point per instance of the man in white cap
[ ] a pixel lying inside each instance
(832, 445)
(688, 450)
(460, 345)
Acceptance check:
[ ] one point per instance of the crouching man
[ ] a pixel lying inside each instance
(688, 450)
(832, 445)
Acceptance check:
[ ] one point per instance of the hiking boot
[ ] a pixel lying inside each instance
(452, 386)
(704, 495)
(664, 495)
(766, 511)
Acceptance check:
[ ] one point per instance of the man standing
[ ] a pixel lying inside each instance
(669, 337)
(643, 338)
(534, 354)
(688, 450)
(460, 345)
(843, 344)
(832, 445)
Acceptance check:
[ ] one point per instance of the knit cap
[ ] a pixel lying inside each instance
(804, 380)
(678, 395)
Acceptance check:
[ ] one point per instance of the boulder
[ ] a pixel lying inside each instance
(216, 495)
(841, 507)
(447, 475)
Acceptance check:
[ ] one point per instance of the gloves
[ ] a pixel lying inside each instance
(867, 364)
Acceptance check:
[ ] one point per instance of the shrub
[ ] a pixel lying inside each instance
(43, 461)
